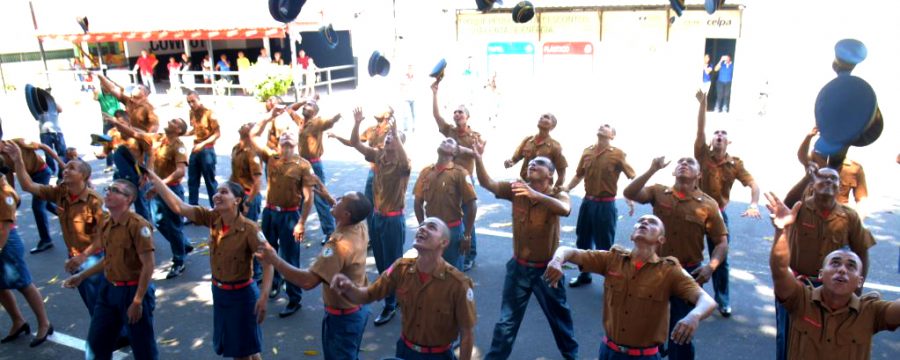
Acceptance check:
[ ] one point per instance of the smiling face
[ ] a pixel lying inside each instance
(461, 116)
(76, 172)
(432, 235)
(176, 127)
(224, 199)
(648, 229)
(841, 272)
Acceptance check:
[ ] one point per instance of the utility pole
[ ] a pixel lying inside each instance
(40, 43)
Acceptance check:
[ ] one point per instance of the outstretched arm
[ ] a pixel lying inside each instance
(636, 190)
(111, 87)
(803, 150)
(483, 178)
(175, 203)
(435, 109)
(700, 142)
(780, 256)
(364, 149)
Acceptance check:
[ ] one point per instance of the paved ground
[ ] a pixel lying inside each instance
(183, 317)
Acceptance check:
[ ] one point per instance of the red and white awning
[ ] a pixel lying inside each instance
(156, 35)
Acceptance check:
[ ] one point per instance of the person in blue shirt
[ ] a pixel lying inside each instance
(707, 74)
(725, 68)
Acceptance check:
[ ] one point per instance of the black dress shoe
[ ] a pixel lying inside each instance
(41, 247)
(188, 249)
(40, 340)
(276, 289)
(578, 281)
(122, 342)
(175, 271)
(24, 329)
(289, 310)
(725, 311)
(386, 315)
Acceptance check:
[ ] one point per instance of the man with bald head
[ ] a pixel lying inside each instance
(824, 226)
(437, 299)
(830, 320)
(689, 215)
(140, 111)
(636, 329)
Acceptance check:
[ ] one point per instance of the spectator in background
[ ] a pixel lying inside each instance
(243, 65)
(173, 66)
(277, 58)
(146, 63)
(186, 65)
(707, 74)
(109, 104)
(224, 65)
(725, 68)
(308, 69)
(207, 67)
(263, 57)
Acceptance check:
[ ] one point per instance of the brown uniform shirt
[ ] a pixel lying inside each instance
(140, 114)
(812, 236)
(204, 125)
(535, 226)
(79, 217)
(374, 135)
(310, 139)
(467, 138)
(9, 202)
(244, 165)
(280, 125)
(531, 148)
(819, 333)
(389, 185)
(345, 253)
(33, 162)
(166, 154)
(853, 178)
(231, 252)
(434, 311)
(636, 302)
(601, 170)
(687, 221)
(444, 190)
(124, 241)
(287, 177)
(717, 177)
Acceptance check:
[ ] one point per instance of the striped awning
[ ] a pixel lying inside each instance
(156, 35)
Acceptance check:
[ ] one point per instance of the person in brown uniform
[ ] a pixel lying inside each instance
(168, 158)
(540, 145)
(718, 171)
(311, 149)
(638, 282)
(827, 321)
(439, 191)
(202, 162)
(463, 134)
(689, 215)
(137, 105)
(246, 170)
(437, 299)
(127, 295)
(344, 253)
(853, 178)
(388, 225)
(600, 166)
(536, 208)
(289, 201)
(822, 225)
(39, 173)
(80, 211)
(128, 154)
(238, 307)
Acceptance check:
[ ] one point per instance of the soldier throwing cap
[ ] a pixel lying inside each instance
(202, 162)
(688, 214)
(637, 287)
(828, 321)
(540, 145)
(437, 299)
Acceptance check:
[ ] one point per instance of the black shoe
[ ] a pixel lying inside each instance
(40, 340)
(386, 315)
(578, 281)
(188, 249)
(276, 289)
(289, 310)
(41, 247)
(175, 271)
(24, 329)
(725, 311)
(122, 342)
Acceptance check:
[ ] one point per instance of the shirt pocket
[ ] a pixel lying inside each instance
(806, 333)
(614, 284)
(444, 314)
(854, 342)
(650, 297)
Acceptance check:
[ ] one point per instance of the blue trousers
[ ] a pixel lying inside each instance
(342, 334)
(723, 96)
(39, 207)
(388, 236)
(322, 207)
(678, 309)
(255, 205)
(608, 354)
(202, 163)
(57, 142)
(521, 281)
(170, 226)
(596, 227)
(720, 276)
(473, 249)
(451, 253)
(126, 171)
(89, 288)
(111, 313)
(405, 353)
(235, 330)
(278, 227)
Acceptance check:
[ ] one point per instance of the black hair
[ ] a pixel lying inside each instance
(121, 113)
(238, 191)
(359, 206)
(130, 188)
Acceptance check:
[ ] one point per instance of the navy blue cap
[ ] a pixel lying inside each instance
(873, 132)
(712, 5)
(83, 23)
(486, 5)
(378, 64)
(850, 51)
(99, 139)
(438, 71)
(285, 11)
(330, 35)
(678, 6)
(845, 108)
(39, 101)
(31, 100)
(523, 12)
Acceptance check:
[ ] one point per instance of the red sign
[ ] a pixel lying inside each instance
(568, 48)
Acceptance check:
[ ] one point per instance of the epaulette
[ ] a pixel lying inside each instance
(459, 276)
(671, 260)
(619, 249)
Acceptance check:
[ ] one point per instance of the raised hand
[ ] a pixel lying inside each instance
(358, 115)
(659, 163)
(781, 215)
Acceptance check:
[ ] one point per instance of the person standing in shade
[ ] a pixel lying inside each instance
(127, 296)
(689, 215)
(243, 66)
(600, 167)
(540, 145)
(146, 63)
(109, 104)
(635, 315)
(707, 75)
(312, 149)
(388, 227)
(174, 67)
(276, 58)
(202, 162)
(536, 208)
(186, 79)
(207, 66)
(39, 172)
(439, 305)
(718, 171)
(725, 68)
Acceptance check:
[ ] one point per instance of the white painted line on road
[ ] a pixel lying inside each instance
(79, 344)
(882, 287)
(490, 232)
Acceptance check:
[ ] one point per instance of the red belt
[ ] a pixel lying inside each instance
(42, 168)
(124, 283)
(314, 160)
(235, 285)
(210, 146)
(425, 349)
(339, 312)
(632, 351)
(390, 213)
(600, 199)
(174, 183)
(531, 264)
(454, 224)
(282, 209)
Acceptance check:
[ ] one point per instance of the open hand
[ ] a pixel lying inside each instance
(659, 163)
(781, 215)
(684, 330)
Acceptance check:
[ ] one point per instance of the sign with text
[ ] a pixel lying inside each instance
(568, 61)
(555, 26)
(511, 57)
(635, 26)
(473, 27)
(724, 24)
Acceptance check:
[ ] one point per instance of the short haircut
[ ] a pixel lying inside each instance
(121, 114)
(551, 117)
(359, 206)
(184, 126)
(445, 230)
(83, 167)
(464, 109)
(844, 249)
(129, 187)
(192, 93)
(549, 162)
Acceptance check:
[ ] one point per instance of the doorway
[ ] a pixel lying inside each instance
(716, 48)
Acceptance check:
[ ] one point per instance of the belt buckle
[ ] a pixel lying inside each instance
(624, 349)
(416, 348)
(278, 208)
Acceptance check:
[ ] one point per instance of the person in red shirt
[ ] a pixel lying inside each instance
(146, 63)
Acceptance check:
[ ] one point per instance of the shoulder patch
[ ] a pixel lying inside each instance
(256, 159)
(145, 231)
(327, 251)
(182, 150)
(10, 201)
(470, 295)
(261, 236)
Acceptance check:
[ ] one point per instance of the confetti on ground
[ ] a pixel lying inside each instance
(168, 341)
(309, 338)
(311, 353)
(53, 280)
(275, 351)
